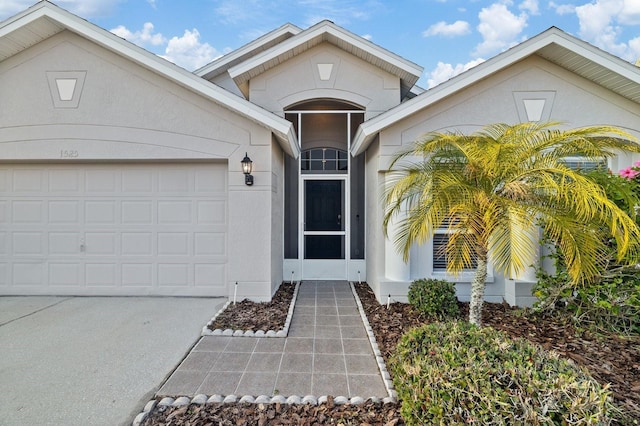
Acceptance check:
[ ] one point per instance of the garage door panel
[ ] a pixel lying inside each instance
(137, 274)
(64, 211)
(102, 180)
(113, 229)
(28, 274)
(173, 243)
(173, 274)
(172, 212)
(65, 274)
(27, 243)
(101, 274)
(137, 212)
(64, 243)
(100, 212)
(28, 181)
(136, 181)
(28, 211)
(65, 181)
(137, 244)
(100, 243)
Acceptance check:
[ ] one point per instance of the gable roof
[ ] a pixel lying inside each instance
(44, 20)
(222, 64)
(327, 31)
(554, 45)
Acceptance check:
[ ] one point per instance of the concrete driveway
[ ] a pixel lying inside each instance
(91, 360)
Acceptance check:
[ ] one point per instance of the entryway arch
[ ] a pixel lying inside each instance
(324, 193)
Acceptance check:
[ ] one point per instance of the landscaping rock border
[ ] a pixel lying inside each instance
(206, 331)
(382, 366)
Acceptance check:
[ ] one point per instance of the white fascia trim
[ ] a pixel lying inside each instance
(318, 31)
(367, 130)
(256, 44)
(281, 127)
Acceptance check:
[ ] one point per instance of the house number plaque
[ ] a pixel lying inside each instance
(68, 153)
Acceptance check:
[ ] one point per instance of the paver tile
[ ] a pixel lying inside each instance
(288, 384)
(367, 385)
(330, 384)
(327, 331)
(324, 320)
(328, 364)
(352, 332)
(299, 345)
(326, 310)
(255, 384)
(212, 343)
(301, 319)
(220, 383)
(261, 361)
(328, 346)
(270, 345)
(183, 383)
(302, 330)
(297, 363)
(241, 344)
(357, 346)
(350, 320)
(361, 364)
(199, 361)
(230, 361)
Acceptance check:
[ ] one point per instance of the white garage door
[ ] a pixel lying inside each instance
(113, 229)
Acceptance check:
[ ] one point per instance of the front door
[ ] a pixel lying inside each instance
(324, 228)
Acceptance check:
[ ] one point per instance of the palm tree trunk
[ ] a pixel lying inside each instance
(477, 292)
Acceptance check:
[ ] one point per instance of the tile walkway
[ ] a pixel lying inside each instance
(327, 352)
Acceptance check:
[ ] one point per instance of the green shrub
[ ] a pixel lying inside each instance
(610, 305)
(434, 298)
(456, 373)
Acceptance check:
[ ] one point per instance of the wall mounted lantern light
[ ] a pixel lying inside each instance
(246, 169)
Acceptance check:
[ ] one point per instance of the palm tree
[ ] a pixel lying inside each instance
(494, 188)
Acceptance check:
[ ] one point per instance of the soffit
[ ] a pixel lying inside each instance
(624, 81)
(267, 41)
(21, 38)
(554, 45)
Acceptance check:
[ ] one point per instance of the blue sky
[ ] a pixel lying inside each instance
(444, 36)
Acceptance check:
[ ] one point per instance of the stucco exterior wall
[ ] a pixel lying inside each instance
(374, 240)
(569, 99)
(351, 80)
(128, 113)
(277, 215)
(124, 111)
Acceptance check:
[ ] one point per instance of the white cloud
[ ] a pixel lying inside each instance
(84, 8)
(562, 9)
(143, 37)
(367, 37)
(448, 30)
(444, 72)
(89, 8)
(601, 24)
(189, 52)
(530, 6)
(500, 29)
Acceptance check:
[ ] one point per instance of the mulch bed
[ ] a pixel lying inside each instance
(609, 359)
(248, 315)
